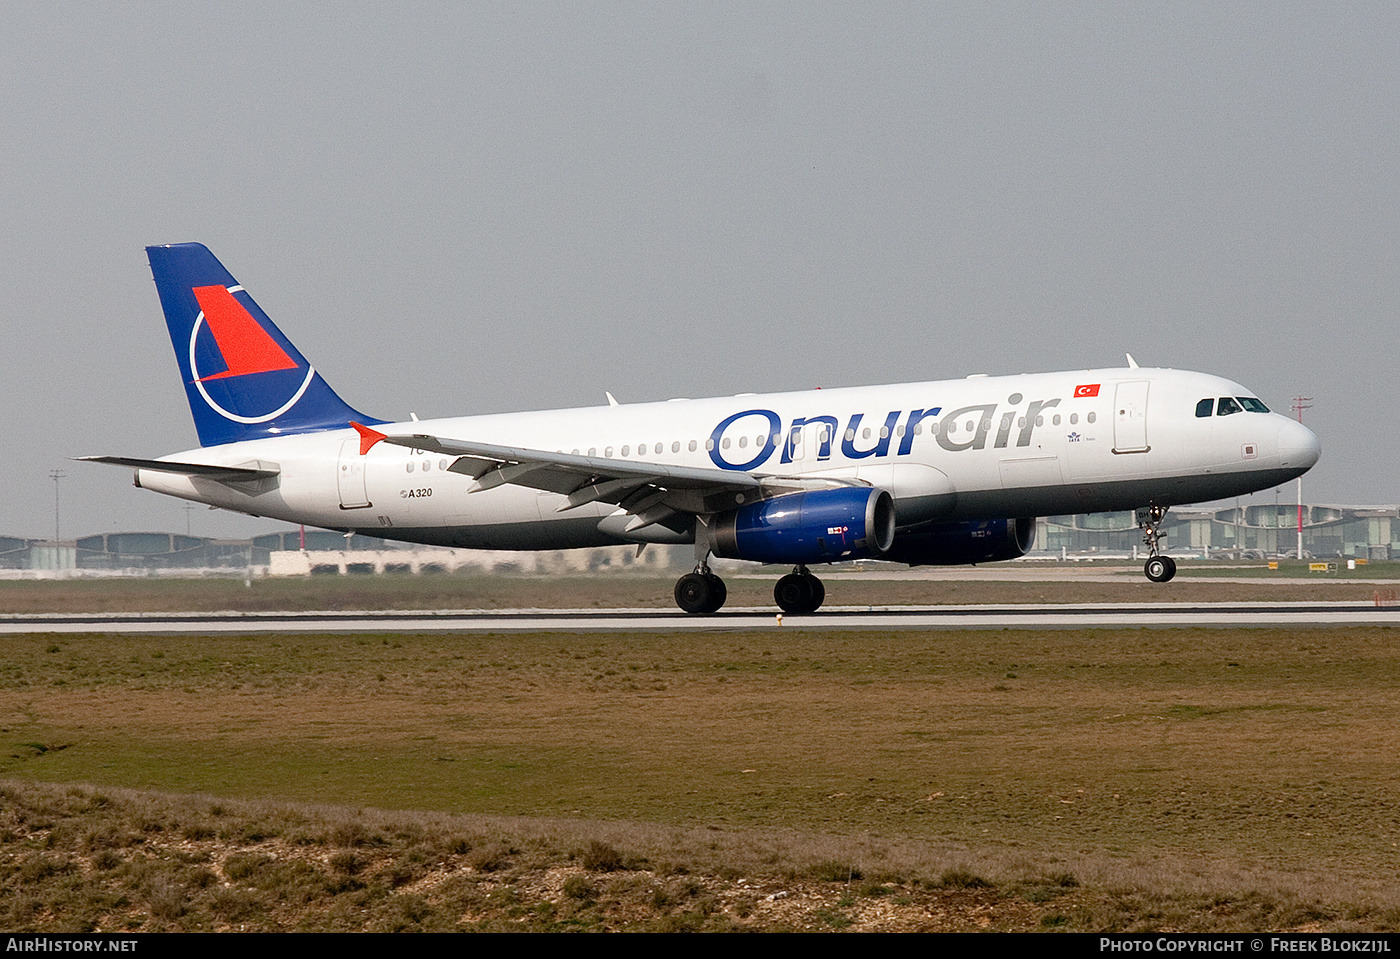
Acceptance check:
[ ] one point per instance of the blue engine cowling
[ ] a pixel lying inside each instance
(819, 526)
(964, 542)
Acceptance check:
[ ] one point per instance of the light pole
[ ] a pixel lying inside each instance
(55, 475)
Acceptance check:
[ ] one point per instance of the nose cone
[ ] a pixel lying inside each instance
(1298, 446)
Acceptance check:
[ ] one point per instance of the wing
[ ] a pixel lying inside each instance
(651, 492)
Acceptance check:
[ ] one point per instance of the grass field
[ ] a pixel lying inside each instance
(1171, 778)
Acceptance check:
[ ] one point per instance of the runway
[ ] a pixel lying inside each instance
(835, 617)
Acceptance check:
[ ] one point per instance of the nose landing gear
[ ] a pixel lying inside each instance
(1158, 568)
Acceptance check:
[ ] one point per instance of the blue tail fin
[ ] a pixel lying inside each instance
(244, 379)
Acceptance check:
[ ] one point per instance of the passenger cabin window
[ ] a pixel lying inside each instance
(1205, 407)
(1227, 405)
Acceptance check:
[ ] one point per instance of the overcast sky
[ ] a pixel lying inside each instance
(469, 207)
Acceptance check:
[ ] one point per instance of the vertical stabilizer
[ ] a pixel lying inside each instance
(244, 379)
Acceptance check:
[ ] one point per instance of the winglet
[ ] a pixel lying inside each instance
(368, 437)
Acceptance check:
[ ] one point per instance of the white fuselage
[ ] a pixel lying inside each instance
(982, 447)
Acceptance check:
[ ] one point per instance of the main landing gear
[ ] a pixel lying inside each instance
(702, 592)
(799, 592)
(1158, 568)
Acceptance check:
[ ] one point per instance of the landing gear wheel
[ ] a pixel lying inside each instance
(718, 593)
(693, 593)
(792, 594)
(700, 593)
(1160, 569)
(799, 592)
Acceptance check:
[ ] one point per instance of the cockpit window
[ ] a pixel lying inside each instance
(1226, 405)
(1252, 405)
(1205, 407)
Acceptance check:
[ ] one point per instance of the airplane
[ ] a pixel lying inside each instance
(947, 472)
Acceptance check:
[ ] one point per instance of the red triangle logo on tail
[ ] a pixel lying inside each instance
(245, 345)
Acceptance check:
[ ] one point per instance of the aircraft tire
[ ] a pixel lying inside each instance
(799, 593)
(695, 593)
(792, 593)
(718, 593)
(1159, 569)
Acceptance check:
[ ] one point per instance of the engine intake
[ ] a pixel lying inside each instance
(818, 526)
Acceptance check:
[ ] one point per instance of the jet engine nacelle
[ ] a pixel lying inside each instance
(964, 542)
(819, 526)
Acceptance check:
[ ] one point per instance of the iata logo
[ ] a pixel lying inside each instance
(246, 349)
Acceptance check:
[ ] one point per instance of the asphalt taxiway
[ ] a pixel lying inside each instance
(1049, 616)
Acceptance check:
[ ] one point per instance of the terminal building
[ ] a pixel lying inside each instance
(1259, 531)
(1237, 532)
(293, 553)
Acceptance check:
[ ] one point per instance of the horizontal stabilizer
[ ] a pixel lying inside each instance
(225, 473)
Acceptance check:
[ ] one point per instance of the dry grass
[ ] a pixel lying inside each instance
(1167, 778)
(79, 859)
(1085, 780)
